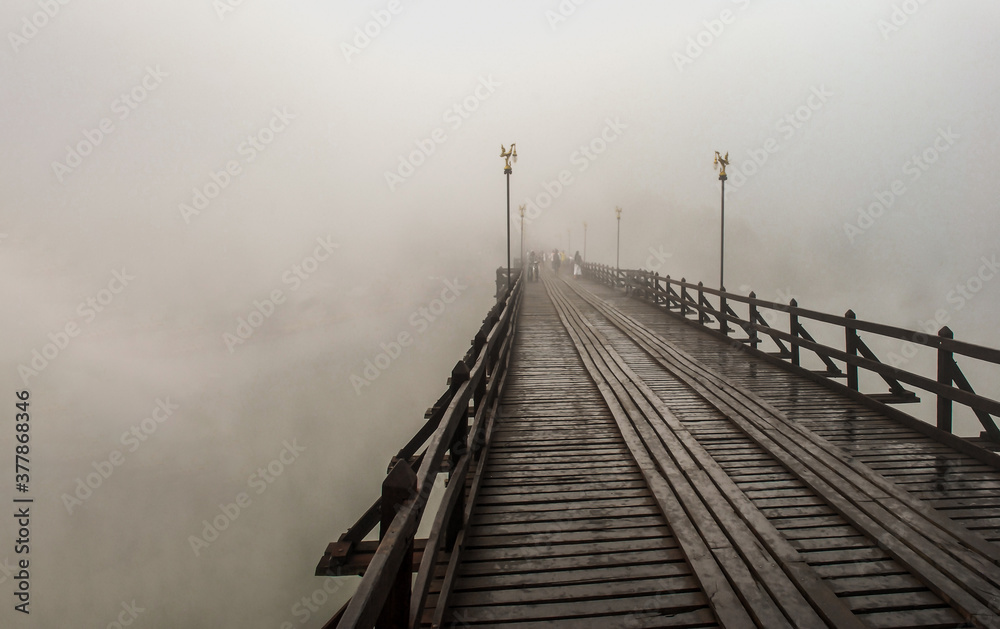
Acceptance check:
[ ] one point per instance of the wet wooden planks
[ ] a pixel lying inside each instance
(565, 531)
(958, 483)
(872, 584)
(952, 482)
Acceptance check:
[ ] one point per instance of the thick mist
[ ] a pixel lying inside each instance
(218, 215)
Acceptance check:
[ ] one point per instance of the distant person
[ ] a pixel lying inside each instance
(555, 261)
(532, 266)
(577, 265)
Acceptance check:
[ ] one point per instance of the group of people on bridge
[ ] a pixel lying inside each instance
(556, 257)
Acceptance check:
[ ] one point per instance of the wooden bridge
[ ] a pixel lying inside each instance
(629, 451)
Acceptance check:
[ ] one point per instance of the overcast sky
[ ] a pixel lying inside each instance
(178, 163)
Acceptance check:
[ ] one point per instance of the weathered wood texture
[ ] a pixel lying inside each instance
(565, 531)
(642, 473)
(954, 483)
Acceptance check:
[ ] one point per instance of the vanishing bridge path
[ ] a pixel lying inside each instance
(611, 465)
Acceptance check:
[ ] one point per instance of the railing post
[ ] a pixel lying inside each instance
(793, 325)
(701, 300)
(398, 487)
(666, 292)
(754, 315)
(945, 376)
(684, 306)
(723, 327)
(851, 347)
(655, 282)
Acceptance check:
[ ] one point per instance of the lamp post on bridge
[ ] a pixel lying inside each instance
(521, 209)
(723, 161)
(507, 170)
(618, 243)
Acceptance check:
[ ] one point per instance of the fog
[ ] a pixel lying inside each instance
(258, 198)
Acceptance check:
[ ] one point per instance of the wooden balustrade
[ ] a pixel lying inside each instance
(949, 384)
(384, 598)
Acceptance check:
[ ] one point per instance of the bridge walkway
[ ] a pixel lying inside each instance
(645, 474)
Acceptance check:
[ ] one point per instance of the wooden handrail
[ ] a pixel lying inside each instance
(475, 379)
(949, 384)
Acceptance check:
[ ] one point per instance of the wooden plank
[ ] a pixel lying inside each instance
(624, 588)
(651, 618)
(564, 496)
(900, 619)
(578, 514)
(591, 575)
(657, 554)
(664, 602)
(576, 525)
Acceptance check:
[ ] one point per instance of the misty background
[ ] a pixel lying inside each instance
(312, 131)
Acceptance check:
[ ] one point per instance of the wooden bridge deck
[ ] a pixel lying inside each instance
(645, 474)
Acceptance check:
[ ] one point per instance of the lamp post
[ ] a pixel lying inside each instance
(507, 170)
(722, 161)
(618, 244)
(584, 241)
(521, 209)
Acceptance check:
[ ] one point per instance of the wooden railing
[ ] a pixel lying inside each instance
(385, 598)
(713, 309)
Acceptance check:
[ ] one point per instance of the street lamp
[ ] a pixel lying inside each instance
(507, 170)
(521, 208)
(723, 161)
(618, 245)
